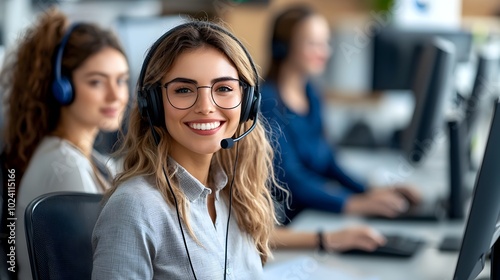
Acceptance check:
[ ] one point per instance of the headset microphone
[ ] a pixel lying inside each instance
(227, 143)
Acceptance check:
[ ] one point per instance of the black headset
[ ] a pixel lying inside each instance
(61, 85)
(150, 99)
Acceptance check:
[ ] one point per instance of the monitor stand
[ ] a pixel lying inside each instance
(494, 257)
(457, 161)
(495, 261)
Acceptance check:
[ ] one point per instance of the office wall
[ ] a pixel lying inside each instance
(480, 7)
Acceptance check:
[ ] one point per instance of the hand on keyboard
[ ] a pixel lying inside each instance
(385, 202)
(356, 237)
(396, 246)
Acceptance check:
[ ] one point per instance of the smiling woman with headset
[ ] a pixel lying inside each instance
(64, 84)
(189, 204)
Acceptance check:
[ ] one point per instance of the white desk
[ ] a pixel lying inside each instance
(427, 264)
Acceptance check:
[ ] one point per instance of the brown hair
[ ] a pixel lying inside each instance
(31, 109)
(254, 177)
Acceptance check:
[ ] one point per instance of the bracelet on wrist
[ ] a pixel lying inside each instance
(321, 245)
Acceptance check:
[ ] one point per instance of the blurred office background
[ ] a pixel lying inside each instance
(358, 112)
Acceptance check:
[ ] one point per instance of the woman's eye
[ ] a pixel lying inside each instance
(224, 89)
(183, 90)
(122, 81)
(95, 83)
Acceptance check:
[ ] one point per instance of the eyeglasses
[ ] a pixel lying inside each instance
(226, 93)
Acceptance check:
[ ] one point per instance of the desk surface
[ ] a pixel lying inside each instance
(427, 264)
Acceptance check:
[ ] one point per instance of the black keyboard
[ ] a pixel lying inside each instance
(428, 212)
(396, 246)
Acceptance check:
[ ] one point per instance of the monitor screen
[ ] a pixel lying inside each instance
(484, 85)
(482, 227)
(396, 51)
(432, 84)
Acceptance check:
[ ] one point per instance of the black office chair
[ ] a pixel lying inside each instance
(58, 233)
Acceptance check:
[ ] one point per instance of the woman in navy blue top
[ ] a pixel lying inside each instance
(306, 161)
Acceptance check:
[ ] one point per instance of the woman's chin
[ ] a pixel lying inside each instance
(109, 126)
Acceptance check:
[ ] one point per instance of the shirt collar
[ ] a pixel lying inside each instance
(193, 188)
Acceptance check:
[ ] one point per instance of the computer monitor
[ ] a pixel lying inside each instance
(396, 51)
(482, 229)
(484, 84)
(461, 132)
(431, 85)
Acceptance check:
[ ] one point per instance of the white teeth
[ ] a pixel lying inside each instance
(204, 126)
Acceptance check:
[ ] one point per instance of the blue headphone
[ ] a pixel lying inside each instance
(61, 86)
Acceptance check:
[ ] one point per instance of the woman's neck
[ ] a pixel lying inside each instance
(197, 166)
(292, 90)
(290, 77)
(83, 139)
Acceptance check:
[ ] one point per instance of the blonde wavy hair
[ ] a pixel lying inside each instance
(32, 112)
(252, 201)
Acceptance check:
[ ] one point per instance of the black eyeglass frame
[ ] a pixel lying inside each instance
(242, 84)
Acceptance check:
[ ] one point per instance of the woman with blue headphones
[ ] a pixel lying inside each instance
(64, 84)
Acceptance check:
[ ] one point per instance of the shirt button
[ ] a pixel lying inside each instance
(228, 271)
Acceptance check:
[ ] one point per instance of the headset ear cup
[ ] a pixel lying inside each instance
(142, 104)
(247, 105)
(63, 91)
(150, 105)
(279, 50)
(255, 106)
(155, 105)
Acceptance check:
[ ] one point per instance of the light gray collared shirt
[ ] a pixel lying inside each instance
(137, 235)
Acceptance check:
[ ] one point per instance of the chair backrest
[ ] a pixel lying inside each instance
(58, 233)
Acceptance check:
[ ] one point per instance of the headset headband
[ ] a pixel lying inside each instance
(62, 89)
(155, 45)
(60, 49)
